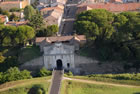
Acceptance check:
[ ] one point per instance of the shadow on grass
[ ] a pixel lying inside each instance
(136, 93)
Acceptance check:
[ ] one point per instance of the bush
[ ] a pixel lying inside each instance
(126, 76)
(69, 73)
(37, 89)
(44, 72)
(14, 74)
(15, 10)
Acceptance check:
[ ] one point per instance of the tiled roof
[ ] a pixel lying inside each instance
(2, 18)
(112, 7)
(17, 23)
(10, 2)
(59, 38)
(50, 8)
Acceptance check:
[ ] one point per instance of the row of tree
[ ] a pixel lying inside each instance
(115, 36)
(12, 35)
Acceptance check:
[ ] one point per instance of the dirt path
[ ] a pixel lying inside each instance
(7, 86)
(100, 83)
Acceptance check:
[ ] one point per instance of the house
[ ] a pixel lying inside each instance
(115, 1)
(11, 23)
(59, 50)
(76, 40)
(53, 3)
(7, 5)
(92, 1)
(112, 7)
(18, 14)
(4, 19)
(52, 15)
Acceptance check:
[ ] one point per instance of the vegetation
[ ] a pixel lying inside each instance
(24, 86)
(15, 10)
(14, 74)
(29, 11)
(111, 36)
(11, 35)
(44, 72)
(4, 12)
(130, 79)
(37, 89)
(13, 17)
(49, 31)
(36, 20)
(72, 87)
(28, 53)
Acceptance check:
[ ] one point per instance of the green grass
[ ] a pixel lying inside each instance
(72, 87)
(23, 86)
(29, 53)
(109, 80)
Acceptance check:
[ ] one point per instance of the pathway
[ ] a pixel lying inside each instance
(56, 82)
(100, 83)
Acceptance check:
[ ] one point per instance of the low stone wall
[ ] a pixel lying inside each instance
(83, 65)
(33, 64)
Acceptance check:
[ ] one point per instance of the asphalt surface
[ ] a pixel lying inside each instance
(69, 17)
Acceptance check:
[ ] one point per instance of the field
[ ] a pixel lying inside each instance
(23, 86)
(73, 87)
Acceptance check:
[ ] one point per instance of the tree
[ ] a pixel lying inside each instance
(2, 58)
(44, 72)
(52, 30)
(29, 12)
(13, 17)
(36, 21)
(24, 33)
(14, 74)
(96, 24)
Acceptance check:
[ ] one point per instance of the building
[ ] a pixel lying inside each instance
(59, 50)
(76, 40)
(4, 19)
(7, 5)
(52, 15)
(11, 23)
(112, 7)
(59, 56)
(53, 3)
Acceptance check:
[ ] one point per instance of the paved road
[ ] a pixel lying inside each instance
(56, 82)
(69, 17)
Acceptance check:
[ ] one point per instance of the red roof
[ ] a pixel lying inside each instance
(50, 8)
(112, 7)
(2, 18)
(17, 23)
(59, 38)
(10, 2)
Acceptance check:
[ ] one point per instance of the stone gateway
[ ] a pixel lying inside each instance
(59, 55)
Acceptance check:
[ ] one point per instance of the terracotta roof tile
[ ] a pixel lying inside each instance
(2, 18)
(10, 2)
(51, 8)
(17, 23)
(112, 7)
(59, 38)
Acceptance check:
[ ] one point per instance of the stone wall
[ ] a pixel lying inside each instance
(83, 65)
(33, 64)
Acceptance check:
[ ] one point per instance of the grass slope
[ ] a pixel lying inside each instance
(72, 87)
(108, 80)
(23, 86)
(29, 53)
